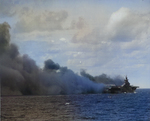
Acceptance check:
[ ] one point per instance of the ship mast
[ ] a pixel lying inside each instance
(127, 82)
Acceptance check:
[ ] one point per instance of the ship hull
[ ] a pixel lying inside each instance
(116, 89)
(125, 88)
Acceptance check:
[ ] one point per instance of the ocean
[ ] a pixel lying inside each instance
(82, 107)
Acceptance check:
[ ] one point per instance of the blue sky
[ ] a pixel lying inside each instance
(101, 36)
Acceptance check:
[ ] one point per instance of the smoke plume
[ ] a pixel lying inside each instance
(103, 78)
(19, 74)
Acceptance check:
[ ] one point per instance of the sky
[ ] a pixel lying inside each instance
(100, 36)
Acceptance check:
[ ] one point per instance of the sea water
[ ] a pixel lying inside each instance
(83, 107)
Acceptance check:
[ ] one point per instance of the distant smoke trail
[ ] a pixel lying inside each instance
(103, 78)
(19, 75)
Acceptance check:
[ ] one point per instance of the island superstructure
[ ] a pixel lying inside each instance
(125, 88)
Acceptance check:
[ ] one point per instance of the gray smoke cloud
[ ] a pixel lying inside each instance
(49, 64)
(19, 74)
(103, 78)
(4, 36)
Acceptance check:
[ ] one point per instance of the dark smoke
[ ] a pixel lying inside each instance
(49, 64)
(4, 37)
(83, 73)
(19, 74)
(103, 78)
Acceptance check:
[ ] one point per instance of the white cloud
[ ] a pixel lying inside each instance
(62, 39)
(44, 21)
(125, 25)
(4, 11)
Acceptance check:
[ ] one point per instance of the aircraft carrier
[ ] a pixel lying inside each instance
(125, 88)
